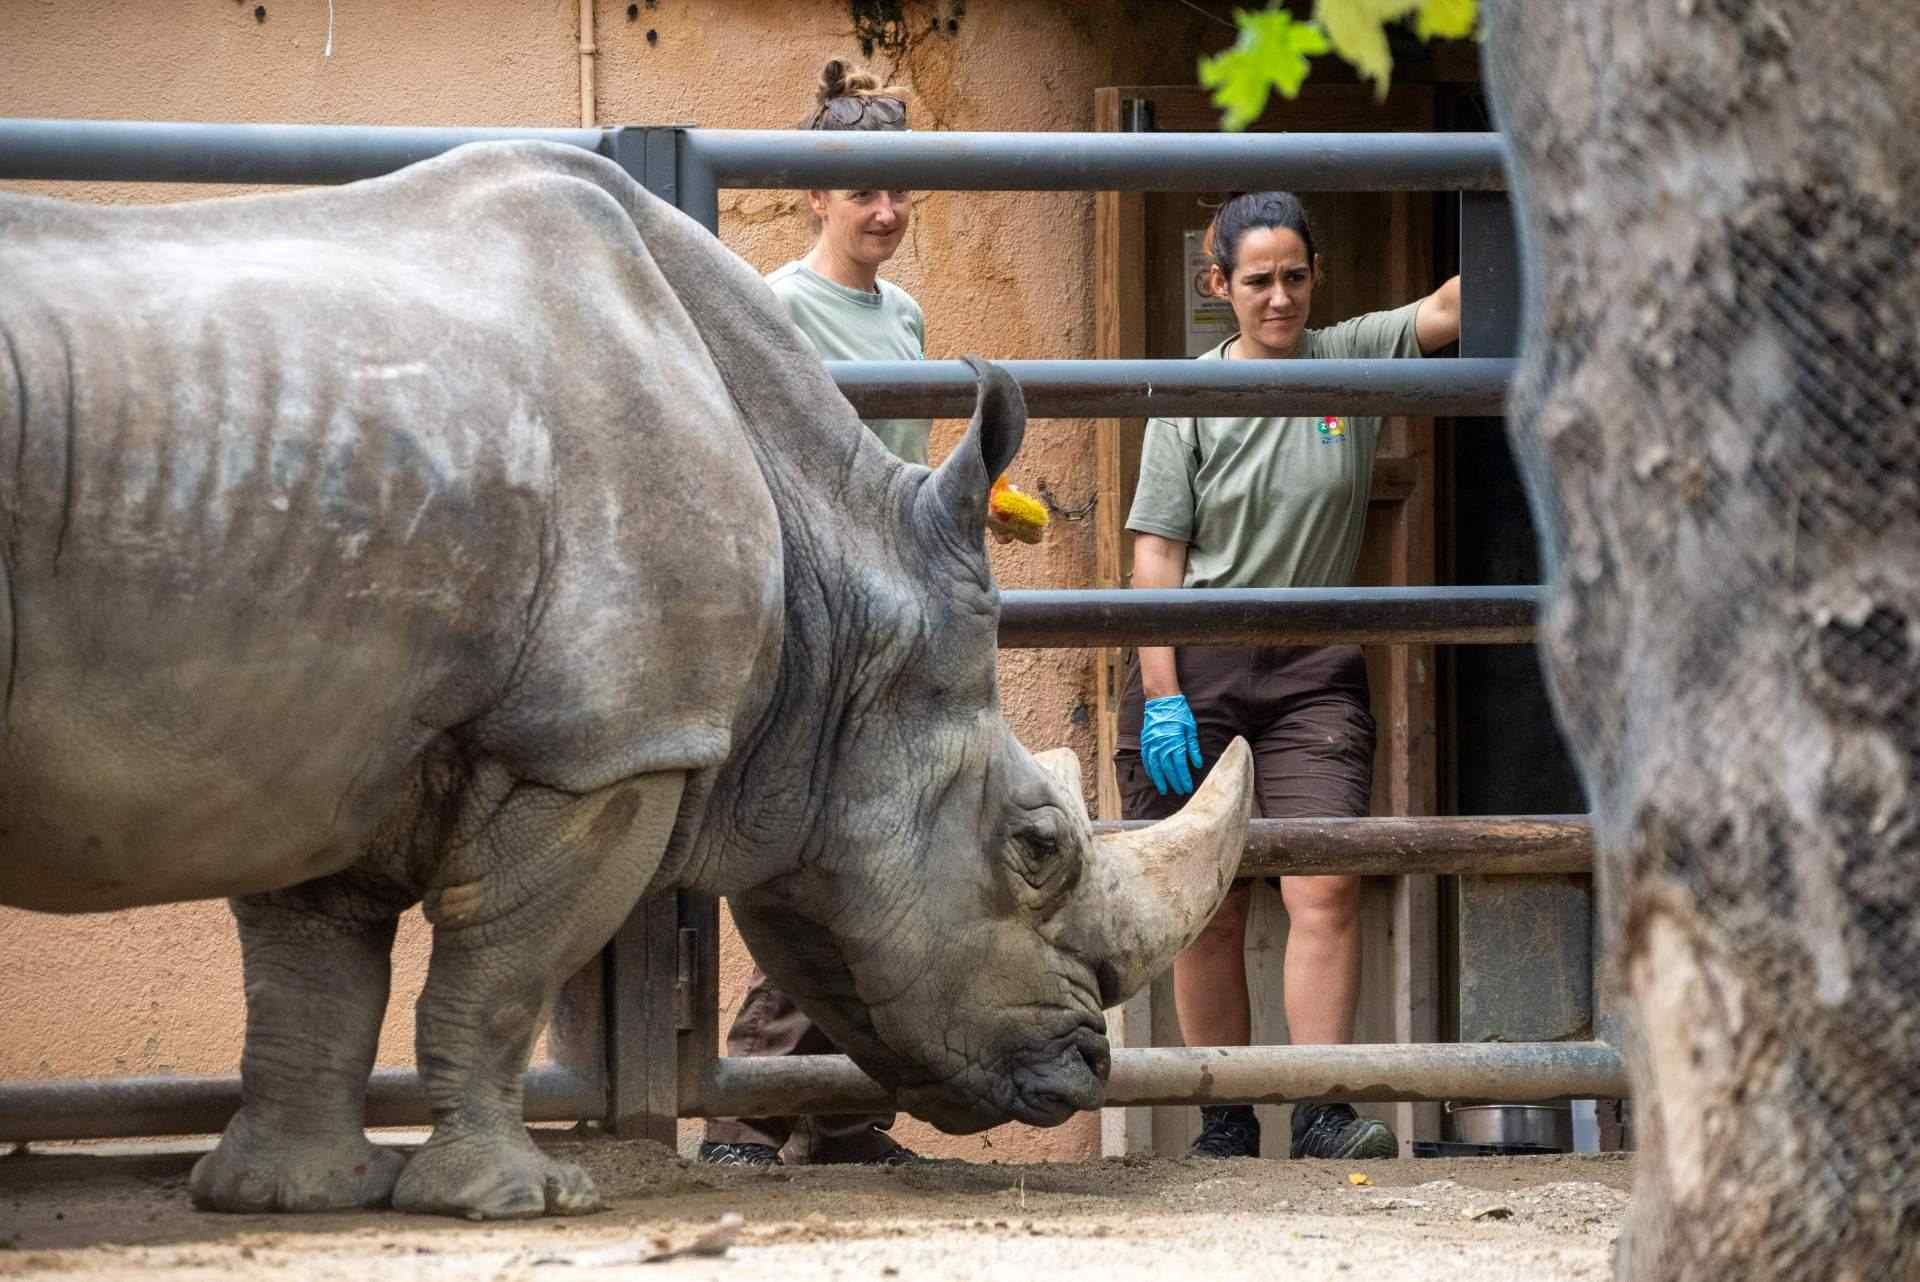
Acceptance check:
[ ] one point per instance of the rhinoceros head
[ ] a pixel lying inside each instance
(964, 928)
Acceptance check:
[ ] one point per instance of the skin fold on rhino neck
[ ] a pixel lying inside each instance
(851, 618)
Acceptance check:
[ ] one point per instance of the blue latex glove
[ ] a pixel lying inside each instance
(1168, 740)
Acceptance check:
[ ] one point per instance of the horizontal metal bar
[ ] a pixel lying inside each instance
(186, 151)
(191, 152)
(1267, 616)
(734, 1087)
(1518, 1072)
(1104, 161)
(107, 1108)
(1504, 845)
(1162, 388)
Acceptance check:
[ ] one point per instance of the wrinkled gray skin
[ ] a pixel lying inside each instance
(485, 536)
(1720, 408)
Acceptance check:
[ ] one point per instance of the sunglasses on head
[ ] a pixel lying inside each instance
(850, 111)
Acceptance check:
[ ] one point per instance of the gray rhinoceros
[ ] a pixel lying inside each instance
(484, 536)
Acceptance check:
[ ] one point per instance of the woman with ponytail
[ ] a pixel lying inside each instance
(1267, 502)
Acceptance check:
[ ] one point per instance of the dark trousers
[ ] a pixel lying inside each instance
(769, 1023)
(1302, 709)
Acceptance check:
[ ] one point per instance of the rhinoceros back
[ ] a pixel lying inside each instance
(308, 481)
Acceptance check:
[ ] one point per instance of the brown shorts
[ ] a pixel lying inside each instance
(1302, 709)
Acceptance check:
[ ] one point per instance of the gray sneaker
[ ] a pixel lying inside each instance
(1336, 1131)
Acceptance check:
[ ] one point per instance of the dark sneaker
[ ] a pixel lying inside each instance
(898, 1155)
(1335, 1130)
(895, 1155)
(1228, 1130)
(739, 1154)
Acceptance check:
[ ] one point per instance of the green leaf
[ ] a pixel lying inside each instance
(1445, 19)
(1358, 29)
(1271, 53)
(1273, 48)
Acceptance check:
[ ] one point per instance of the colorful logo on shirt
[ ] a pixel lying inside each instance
(1331, 430)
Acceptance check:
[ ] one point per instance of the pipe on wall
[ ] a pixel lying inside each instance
(587, 52)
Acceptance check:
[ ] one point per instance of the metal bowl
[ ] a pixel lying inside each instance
(1544, 1125)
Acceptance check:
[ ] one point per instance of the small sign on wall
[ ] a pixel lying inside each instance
(1209, 319)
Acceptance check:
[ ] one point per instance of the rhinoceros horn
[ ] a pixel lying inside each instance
(1145, 894)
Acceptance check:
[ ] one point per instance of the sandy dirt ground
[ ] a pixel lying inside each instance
(79, 1213)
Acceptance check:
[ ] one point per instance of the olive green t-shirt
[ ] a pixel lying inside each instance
(846, 324)
(1270, 502)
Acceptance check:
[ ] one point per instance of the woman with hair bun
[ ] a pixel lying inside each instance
(836, 297)
(1267, 502)
(835, 293)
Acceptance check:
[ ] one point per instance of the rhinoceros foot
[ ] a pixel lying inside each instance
(492, 1177)
(337, 1173)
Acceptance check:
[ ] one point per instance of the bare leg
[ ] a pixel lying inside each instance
(317, 971)
(1210, 978)
(543, 886)
(1323, 958)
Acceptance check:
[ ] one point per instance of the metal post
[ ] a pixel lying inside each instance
(1489, 276)
(643, 1026)
(646, 965)
(651, 154)
(699, 191)
(1550, 917)
(698, 984)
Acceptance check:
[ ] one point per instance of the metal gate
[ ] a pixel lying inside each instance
(635, 1039)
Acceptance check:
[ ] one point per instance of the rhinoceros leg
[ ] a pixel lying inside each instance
(316, 965)
(559, 875)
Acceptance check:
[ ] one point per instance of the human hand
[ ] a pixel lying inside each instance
(1169, 740)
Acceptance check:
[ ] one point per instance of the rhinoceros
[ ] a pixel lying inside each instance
(484, 536)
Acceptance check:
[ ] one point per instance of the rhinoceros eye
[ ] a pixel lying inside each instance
(1037, 854)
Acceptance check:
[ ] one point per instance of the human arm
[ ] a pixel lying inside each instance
(1169, 737)
(1165, 504)
(1437, 321)
(1158, 562)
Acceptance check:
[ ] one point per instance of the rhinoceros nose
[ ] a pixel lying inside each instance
(1055, 1086)
(1099, 1059)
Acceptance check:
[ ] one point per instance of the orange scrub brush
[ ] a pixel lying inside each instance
(1015, 514)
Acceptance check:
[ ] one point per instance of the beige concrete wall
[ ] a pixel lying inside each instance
(999, 274)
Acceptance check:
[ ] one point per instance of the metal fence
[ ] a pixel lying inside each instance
(634, 1040)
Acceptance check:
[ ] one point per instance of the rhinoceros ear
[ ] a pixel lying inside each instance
(992, 439)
